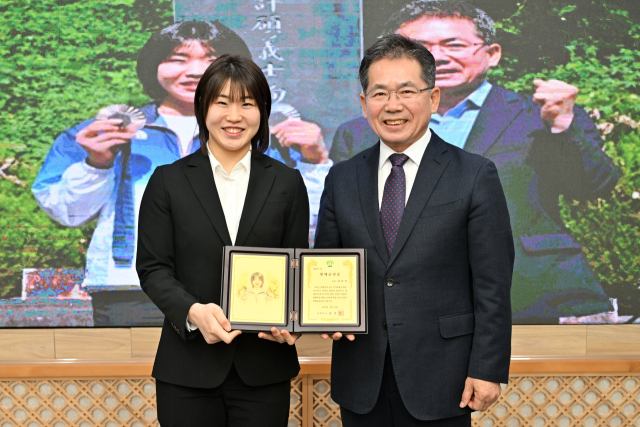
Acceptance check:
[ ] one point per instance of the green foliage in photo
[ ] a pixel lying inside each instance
(61, 61)
(594, 45)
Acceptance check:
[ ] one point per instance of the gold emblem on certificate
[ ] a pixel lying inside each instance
(329, 290)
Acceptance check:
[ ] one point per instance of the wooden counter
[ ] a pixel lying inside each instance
(135, 368)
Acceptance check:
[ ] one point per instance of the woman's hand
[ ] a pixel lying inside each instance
(212, 323)
(102, 140)
(280, 336)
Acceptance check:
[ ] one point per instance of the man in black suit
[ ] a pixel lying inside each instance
(434, 221)
(543, 146)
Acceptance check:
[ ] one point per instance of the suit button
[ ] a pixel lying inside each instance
(384, 325)
(389, 282)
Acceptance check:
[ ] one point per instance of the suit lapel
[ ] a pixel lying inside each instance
(260, 182)
(498, 111)
(434, 162)
(200, 177)
(367, 172)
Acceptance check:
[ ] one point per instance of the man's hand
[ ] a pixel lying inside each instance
(305, 135)
(556, 100)
(479, 394)
(102, 140)
(337, 335)
(212, 323)
(280, 336)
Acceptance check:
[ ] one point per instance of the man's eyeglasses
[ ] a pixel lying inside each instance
(454, 48)
(404, 93)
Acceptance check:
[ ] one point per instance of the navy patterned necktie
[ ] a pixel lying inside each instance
(124, 233)
(393, 200)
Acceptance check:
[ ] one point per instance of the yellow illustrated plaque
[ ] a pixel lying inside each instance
(297, 290)
(329, 290)
(257, 291)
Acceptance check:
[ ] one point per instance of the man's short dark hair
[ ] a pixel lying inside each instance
(162, 44)
(395, 46)
(246, 79)
(485, 27)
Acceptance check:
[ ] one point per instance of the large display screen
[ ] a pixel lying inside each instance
(549, 92)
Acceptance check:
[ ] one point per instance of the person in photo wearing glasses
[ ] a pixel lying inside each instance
(434, 221)
(543, 146)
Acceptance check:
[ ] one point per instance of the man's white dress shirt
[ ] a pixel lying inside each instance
(415, 153)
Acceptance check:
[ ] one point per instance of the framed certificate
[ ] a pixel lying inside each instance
(298, 290)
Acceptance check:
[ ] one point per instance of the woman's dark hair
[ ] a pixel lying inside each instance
(162, 44)
(246, 80)
(259, 276)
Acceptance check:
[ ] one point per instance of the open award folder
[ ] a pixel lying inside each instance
(298, 290)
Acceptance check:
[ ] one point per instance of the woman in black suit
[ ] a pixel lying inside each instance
(227, 193)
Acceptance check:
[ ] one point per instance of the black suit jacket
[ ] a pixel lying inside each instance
(552, 276)
(447, 314)
(181, 233)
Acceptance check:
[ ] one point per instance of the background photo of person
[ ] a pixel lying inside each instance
(544, 147)
(98, 169)
(53, 80)
(309, 51)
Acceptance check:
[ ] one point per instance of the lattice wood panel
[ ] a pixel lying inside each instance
(83, 403)
(89, 403)
(576, 401)
(296, 413)
(580, 401)
(323, 410)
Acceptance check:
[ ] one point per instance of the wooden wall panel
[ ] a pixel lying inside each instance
(123, 368)
(561, 340)
(93, 343)
(562, 365)
(312, 345)
(26, 344)
(619, 340)
(141, 343)
(144, 342)
(69, 368)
